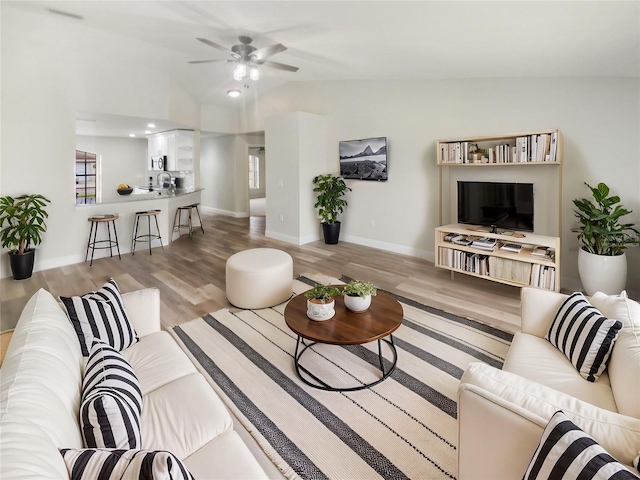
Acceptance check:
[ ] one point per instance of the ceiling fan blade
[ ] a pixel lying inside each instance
(215, 45)
(279, 66)
(265, 52)
(209, 61)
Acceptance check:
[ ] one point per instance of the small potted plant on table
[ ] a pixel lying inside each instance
(320, 302)
(357, 295)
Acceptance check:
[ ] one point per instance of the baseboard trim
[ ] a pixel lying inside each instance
(228, 213)
(390, 247)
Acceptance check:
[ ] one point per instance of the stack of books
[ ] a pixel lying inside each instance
(485, 243)
(543, 252)
(511, 247)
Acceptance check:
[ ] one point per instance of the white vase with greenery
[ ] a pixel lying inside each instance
(602, 263)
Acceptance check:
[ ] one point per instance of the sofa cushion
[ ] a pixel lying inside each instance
(111, 400)
(40, 382)
(618, 434)
(536, 359)
(624, 363)
(565, 451)
(584, 335)
(230, 455)
(100, 315)
(157, 360)
(183, 423)
(94, 463)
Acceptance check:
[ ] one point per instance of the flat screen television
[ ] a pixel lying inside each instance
(497, 205)
(364, 159)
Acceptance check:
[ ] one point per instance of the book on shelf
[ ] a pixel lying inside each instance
(511, 247)
(461, 240)
(450, 236)
(484, 243)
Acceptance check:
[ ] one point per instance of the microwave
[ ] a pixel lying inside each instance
(157, 163)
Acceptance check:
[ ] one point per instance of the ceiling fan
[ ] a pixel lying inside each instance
(248, 57)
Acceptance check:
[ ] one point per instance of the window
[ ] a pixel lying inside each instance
(87, 178)
(254, 172)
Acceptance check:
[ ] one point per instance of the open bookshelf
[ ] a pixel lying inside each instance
(517, 268)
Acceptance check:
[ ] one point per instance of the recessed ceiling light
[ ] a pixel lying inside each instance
(147, 132)
(233, 93)
(132, 134)
(151, 125)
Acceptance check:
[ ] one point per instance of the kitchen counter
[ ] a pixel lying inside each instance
(128, 205)
(159, 194)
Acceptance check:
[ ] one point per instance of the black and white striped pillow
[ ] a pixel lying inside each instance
(111, 401)
(100, 315)
(124, 464)
(584, 335)
(565, 452)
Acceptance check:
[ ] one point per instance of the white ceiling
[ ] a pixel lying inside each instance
(364, 40)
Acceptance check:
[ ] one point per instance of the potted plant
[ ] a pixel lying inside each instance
(602, 263)
(320, 302)
(330, 204)
(22, 219)
(357, 295)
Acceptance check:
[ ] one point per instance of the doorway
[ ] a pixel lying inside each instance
(257, 177)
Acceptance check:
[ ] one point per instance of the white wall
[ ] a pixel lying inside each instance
(123, 160)
(295, 146)
(599, 118)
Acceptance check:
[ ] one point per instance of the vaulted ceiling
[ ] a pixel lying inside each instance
(364, 40)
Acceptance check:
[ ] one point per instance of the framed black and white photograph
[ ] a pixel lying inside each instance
(364, 159)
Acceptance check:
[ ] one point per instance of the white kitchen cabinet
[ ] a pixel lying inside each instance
(175, 146)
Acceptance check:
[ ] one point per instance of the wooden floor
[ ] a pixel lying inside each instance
(190, 274)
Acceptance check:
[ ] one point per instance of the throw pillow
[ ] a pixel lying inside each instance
(107, 369)
(584, 335)
(565, 451)
(111, 401)
(100, 315)
(124, 464)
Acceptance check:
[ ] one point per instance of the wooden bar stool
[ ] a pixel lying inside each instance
(177, 220)
(148, 237)
(95, 221)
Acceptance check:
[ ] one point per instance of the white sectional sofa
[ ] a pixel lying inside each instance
(41, 390)
(502, 413)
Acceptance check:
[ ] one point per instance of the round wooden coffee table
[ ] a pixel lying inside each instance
(383, 317)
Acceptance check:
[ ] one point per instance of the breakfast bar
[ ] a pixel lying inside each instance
(126, 207)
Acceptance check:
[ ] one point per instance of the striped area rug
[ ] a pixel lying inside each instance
(404, 427)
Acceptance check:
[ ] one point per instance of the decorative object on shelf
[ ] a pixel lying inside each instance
(602, 263)
(321, 303)
(330, 204)
(124, 189)
(364, 159)
(357, 295)
(23, 221)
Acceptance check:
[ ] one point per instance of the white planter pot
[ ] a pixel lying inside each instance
(602, 273)
(320, 311)
(357, 304)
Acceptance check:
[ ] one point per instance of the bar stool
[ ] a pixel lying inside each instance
(148, 237)
(177, 220)
(95, 221)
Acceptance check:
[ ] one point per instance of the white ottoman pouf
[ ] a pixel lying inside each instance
(259, 278)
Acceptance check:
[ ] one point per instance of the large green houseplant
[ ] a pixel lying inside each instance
(21, 226)
(602, 263)
(330, 204)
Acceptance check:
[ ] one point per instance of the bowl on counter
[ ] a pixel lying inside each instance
(125, 191)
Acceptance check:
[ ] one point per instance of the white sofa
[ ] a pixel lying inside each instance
(502, 413)
(41, 379)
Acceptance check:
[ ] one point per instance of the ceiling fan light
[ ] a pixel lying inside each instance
(240, 71)
(254, 73)
(233, 93)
